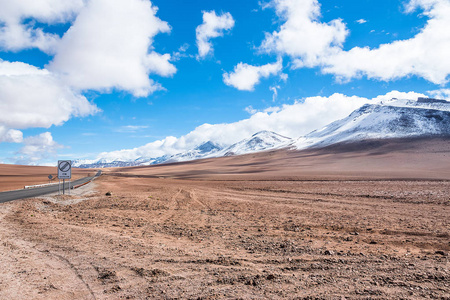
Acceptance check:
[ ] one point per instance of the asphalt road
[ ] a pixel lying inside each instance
(29, 193)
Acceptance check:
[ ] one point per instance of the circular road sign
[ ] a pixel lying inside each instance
(64, 166)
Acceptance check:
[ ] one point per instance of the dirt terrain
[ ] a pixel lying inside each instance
(13, 177)
(249, 227)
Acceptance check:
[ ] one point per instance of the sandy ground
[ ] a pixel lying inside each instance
(254, 233)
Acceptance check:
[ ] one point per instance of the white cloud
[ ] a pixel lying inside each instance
(311, 43)
(110, 46)
(361, 21)
(159, 64)
(181, 53)
(131, 128)
(441, 94)
(245, 77)
(10, 135)
(425, 55)
(168, 146)
(33, 97)
(251, 110)
(399, 95)
(292, 120)
(302, 36)
(37, 148)
(274, 90)
(17, 32)
(213, 26)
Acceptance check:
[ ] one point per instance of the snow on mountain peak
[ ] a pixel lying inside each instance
(208, 147)
(395, 118)
(390, 119)
(260, 141)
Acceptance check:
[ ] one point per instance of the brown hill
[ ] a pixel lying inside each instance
(419, 158)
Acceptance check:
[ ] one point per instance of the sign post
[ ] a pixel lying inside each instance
(64, 172)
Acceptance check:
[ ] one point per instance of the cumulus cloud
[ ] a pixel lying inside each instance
(159, 64)
(10, 135)
(292, 120)
(311, 43)
(37, 148)
(168, 146)
(17, 32)
(302, 36)
(245, 77)
(33, 97)
(110, 46)
(213, 26)
(441, 94)
(424, 55)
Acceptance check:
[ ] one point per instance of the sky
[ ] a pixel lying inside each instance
(85, 79)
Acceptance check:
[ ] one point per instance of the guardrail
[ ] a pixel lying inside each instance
(54, 183)
(39, 185)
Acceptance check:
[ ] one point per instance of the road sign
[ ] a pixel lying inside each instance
(50, 177)
(64, 169)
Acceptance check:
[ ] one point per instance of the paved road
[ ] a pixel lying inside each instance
(29, 193)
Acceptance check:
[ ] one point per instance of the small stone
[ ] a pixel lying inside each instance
(108, 194)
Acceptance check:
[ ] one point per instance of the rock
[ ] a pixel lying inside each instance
(328, 252)
(440, 252)
(108, 194)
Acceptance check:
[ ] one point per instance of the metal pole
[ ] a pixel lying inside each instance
(64, 186)
(59, 187)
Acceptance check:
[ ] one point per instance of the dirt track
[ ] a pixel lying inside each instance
(201, 239)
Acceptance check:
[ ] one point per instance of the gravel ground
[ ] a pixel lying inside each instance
(153, 238)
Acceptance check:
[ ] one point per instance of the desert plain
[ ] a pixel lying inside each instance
(362, 221)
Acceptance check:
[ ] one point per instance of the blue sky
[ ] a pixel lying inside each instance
(129, 78)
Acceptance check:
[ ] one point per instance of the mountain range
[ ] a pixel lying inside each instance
(395, 118)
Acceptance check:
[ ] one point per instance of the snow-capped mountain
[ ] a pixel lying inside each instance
(263, 140)
(208, 149)
(102, 163)
(390, 119)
